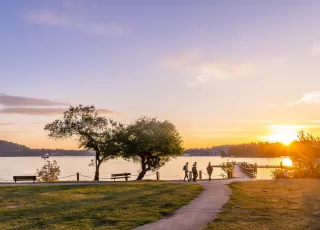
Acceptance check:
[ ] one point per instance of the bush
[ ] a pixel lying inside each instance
(279, 174)
(305, 153)
(306, 173)
(49, 172)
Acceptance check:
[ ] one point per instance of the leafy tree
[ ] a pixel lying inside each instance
(305, 153)
(49, 172)
(151, 143)
(92, 131)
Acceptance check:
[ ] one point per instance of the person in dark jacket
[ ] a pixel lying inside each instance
(209, 170)
(195, 171)
(185, 169)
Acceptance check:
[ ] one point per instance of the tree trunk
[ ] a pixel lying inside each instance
(143, 170)
(142, 174)
(96, 174)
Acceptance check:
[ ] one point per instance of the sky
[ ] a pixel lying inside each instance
(223, 72)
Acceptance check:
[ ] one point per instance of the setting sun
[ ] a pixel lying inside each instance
(282, 133)
(287, 162)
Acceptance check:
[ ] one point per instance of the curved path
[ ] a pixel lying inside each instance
(200, 211)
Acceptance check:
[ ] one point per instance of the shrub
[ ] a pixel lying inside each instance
(306, 173)
(279, 174)
(49, 172)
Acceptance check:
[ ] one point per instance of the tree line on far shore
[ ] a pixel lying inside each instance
(259, 149)
(267, 149)
(147, 141)
(253, 149)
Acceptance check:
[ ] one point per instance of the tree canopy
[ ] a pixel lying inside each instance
(304, 155)
(152, 143)
(92, 131)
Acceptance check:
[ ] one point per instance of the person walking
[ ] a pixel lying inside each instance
(209, 170)
(195, 171)
(185, 169)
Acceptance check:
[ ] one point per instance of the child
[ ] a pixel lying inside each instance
(190, 175)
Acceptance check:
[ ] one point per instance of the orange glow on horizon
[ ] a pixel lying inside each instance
(284, 134)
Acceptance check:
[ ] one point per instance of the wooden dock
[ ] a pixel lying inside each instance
(244, 169)
(252, 169)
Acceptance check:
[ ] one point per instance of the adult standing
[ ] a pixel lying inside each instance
(185, 169)
(209, 170)
(195, 171)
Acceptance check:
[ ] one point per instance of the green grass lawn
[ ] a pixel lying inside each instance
(113, 206)
(279, 204)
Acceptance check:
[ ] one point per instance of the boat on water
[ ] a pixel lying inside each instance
(45, 156)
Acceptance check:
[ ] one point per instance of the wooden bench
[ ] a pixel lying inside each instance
(24, 178)
(120, 175)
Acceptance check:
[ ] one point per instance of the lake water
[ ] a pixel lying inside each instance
(15, 166)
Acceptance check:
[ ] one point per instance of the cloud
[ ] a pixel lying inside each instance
(208, 130)
(295, 127)
(5, 124)
(207, 70)
(219, 135)
(47, 111)
(254, 121)
(70, 21)
(8, 100)
(311, 98)
(315, 48)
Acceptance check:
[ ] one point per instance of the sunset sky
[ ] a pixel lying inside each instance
(221, 71)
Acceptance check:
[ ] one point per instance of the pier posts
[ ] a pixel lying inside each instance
(255, 169)
(77, 176)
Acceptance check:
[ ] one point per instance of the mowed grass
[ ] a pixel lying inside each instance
(278, 204)
(113, 206)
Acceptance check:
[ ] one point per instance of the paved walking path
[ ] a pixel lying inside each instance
(200, 211)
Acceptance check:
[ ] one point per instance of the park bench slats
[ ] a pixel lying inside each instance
(120, 176)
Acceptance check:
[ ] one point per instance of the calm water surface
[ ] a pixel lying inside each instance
(14, 166)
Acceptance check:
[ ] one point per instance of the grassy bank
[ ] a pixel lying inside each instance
(279, 204)
(114, 206)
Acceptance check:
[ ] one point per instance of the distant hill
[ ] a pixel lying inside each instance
(9, 149)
